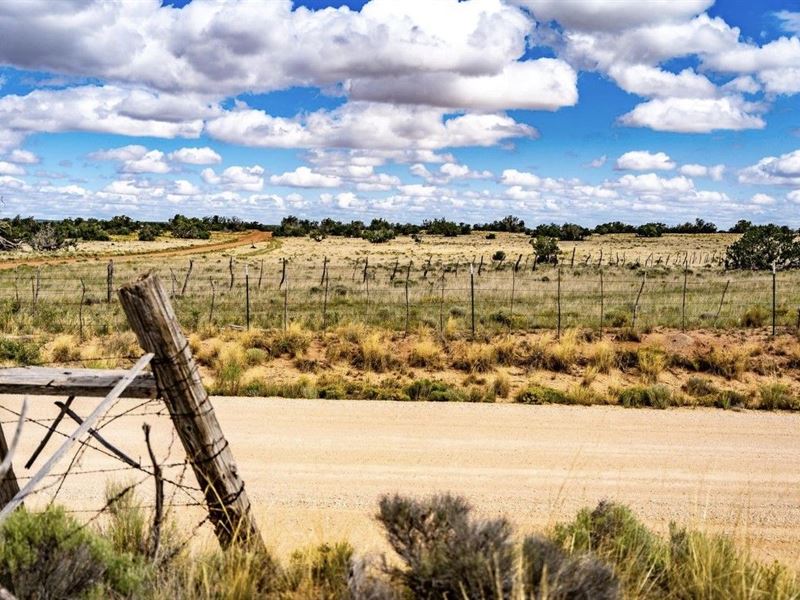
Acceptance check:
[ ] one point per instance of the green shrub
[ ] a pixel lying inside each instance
(19, 352)
(653, 396)
(434, 391)
(548, 572)
(777, 396)
(445, 552)
(613, 533)
(728, 399)
(699, 387)
(537, 394)
(50, 555)
(755, 316)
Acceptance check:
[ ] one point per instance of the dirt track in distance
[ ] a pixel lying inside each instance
(250, 237)
(314, 469)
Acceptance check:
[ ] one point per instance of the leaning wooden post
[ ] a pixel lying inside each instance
(109, 281)
(774, 295)
(152, 319)
(230, 268)
(638, 297)
(186, 279)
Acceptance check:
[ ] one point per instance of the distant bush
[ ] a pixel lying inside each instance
(545, 248)
(763, 246)
(379, 236)
(148, 233)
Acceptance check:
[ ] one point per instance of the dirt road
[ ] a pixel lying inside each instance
(247, 238)
(314, 469)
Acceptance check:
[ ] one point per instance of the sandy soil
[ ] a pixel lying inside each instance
(314, 469)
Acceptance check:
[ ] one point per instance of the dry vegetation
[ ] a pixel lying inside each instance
(440, 550)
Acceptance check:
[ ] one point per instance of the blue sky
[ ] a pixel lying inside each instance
(551, 110)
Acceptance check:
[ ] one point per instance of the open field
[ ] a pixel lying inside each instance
(402, 285)
(314, 470)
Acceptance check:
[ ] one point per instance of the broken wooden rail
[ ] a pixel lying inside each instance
(52, 381)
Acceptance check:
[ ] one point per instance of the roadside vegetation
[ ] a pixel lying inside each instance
(439, 550)
(659, 369)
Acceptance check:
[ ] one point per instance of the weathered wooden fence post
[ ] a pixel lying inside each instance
(472, 297)
(152, 319)
(441, 308)
(109, 281)
(327, 278)
(638, 297)
(774, 296)
(247, 296)
(213, 299)
(285, 282)
(721, 301)
(80, 309)
(683, 297)
(230, 268)
(602, 302)
(186, 279)
(408, 275)
(558, 305)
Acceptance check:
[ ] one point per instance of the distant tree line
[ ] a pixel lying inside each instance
(760, 247)
(52, 234)
(380, 230)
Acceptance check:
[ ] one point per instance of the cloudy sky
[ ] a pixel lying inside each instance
(552, 110)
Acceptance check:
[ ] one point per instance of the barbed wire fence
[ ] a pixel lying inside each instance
(171, 403)
(513, 294)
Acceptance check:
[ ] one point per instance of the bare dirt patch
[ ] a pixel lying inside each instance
(314, 469)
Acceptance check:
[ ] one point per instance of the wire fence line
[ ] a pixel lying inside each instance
(126, 465)
(400, 294)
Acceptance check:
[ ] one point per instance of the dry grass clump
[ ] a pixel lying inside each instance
(506, 350)
(229, 368)
(602, 356)
(651, 363)
(777, 396)
(426, 353)
(564, 354)
(375, 354)
(291, 342)
(122, 343)
(728, 362)
(545, 352)
(65, 348)
(473, 357)
(501, 385)
(208, 351)
(371, 351)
